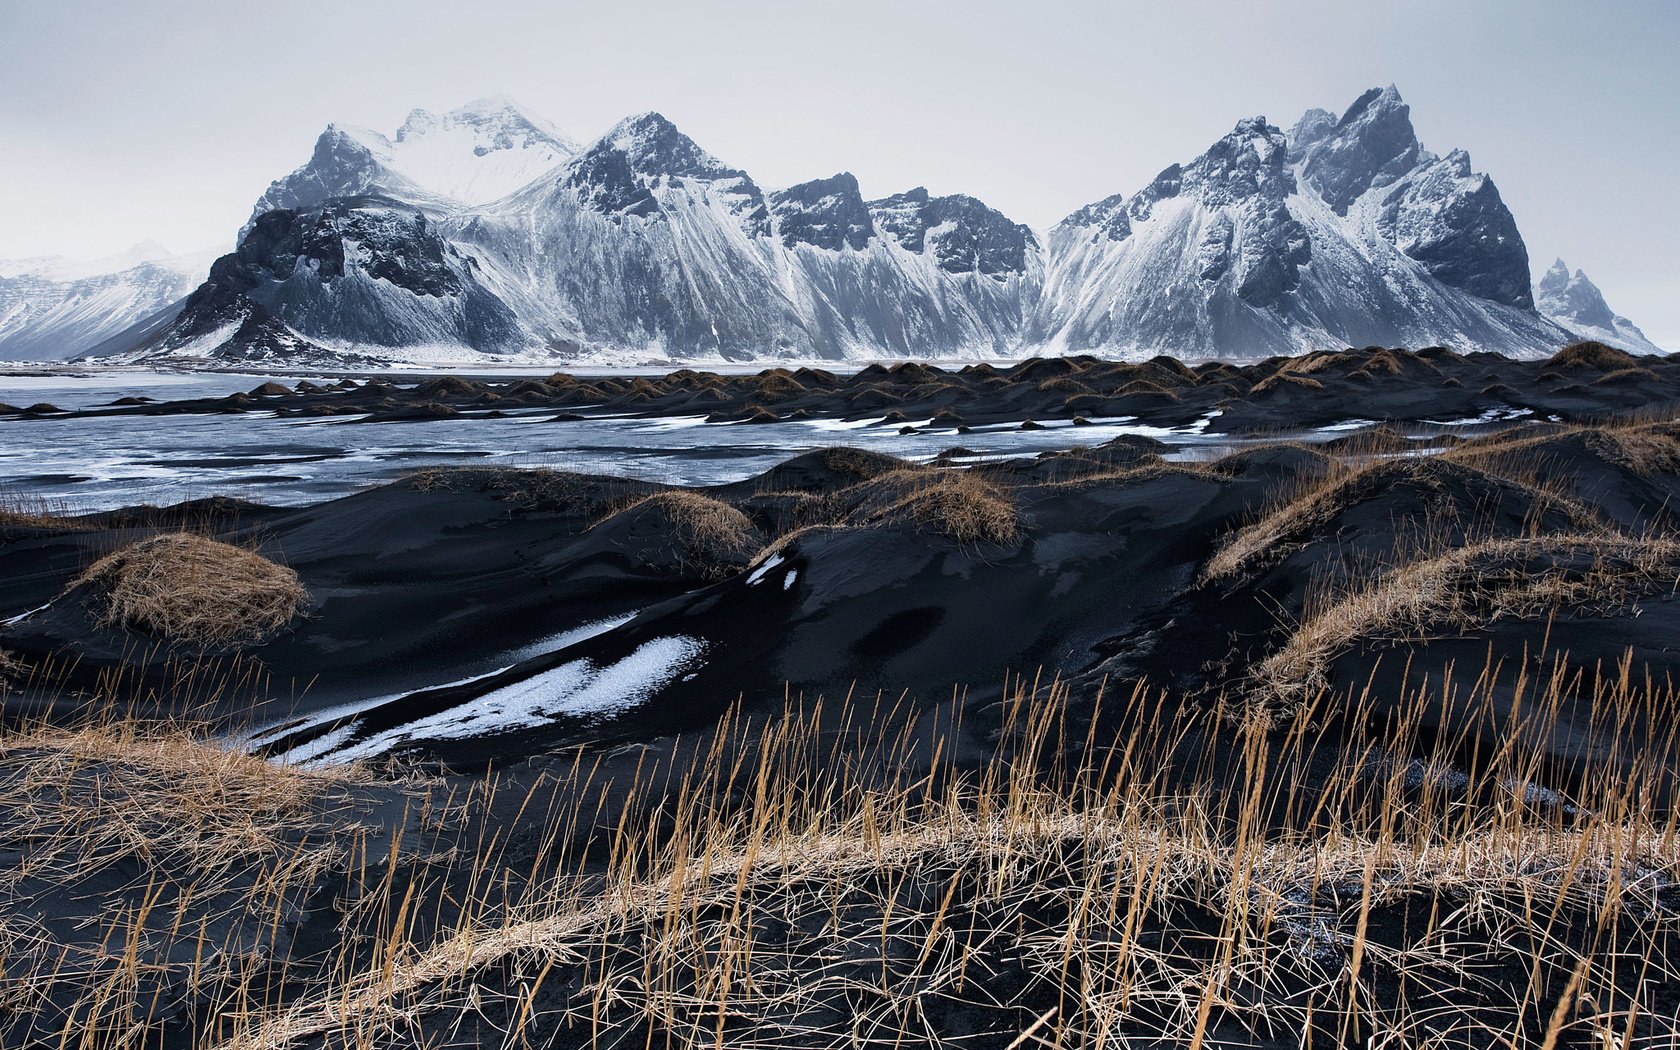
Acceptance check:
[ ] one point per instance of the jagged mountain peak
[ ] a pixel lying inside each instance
(964, 234)
(824, 213)
(492, 111)
(1575, 297)
(1372, 144)
(654, 145)
(1342, 232)
(1250, 161)
(624, 172)
(1575, 302)
(470, 155)
(1313, 126)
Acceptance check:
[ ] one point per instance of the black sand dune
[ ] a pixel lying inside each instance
(988, 726)
(843, 572)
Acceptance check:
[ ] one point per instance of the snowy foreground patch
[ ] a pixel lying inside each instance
(577, 688)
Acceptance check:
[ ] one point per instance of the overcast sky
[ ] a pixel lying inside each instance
(137, 119)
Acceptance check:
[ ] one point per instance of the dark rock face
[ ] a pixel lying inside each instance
(331, 271)
(1314, 125)
(1246, 173)
(964, 234)
(1106, 218)
(1273, 252)
(396, 245)
(1252, 161)
(605, 182)
(825, 213)
(1453, 221)
(1373, 144)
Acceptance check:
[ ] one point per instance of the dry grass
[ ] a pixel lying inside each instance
(1076, 900)
(1466, 589)
(1592, 354)
(1644, 450)
(532, 488)
(958, 504)
(19, 511)
(1316, 498)
(861, 464)
(125, 793)
(152, 868)
(191, 590)
(1285, 378)
(708, 534)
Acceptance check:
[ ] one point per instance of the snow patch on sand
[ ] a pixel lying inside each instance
(577, 688)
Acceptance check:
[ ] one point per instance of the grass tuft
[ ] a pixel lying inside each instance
(960, 505)
(189, 590)
(708, 534)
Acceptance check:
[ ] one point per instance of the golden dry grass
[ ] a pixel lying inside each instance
(708, 534)
(190, 590)
(1468, 588)
(19, 511)
(172, 853)
(1592, 354)
(957, 504)
(527, 488)
(1284, 378)
(830, 911)
(128, 793)
(1315, 498)
(1646, 450)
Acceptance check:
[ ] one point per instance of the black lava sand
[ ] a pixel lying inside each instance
(1369, 622)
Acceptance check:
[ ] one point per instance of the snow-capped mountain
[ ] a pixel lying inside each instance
(472, 155)
(641, 246)
(1344, 231)
(1575, 302)
(55, 308)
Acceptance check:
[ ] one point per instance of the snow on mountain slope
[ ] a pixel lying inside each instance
(1575, 302)
(1352, 234)
(642, 244)
(472, 155)
(643, 247)
(53, 308)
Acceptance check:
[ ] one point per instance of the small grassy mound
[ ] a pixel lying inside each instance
(1592, 354)
(1454, 488)
(1284, 379)
(527, 489)
(708, 535)
(190, 590)
(960, 505)
(1643, 450)
(860, 463)
(1470, 588)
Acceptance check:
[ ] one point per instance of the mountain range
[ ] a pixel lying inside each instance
(52, 308)
(486, 234)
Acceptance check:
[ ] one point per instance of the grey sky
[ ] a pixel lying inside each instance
(145, 119)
